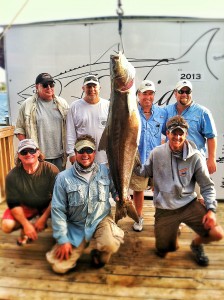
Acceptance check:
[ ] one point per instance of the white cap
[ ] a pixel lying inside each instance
(183, 83)
(146, 85)
(91, 79)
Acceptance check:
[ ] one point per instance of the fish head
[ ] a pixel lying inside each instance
(122, 72)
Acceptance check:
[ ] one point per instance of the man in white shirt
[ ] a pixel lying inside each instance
(87, 116)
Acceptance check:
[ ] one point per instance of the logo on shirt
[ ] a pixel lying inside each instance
(183, 172)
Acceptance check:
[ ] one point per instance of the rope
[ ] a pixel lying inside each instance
(120, 13)
(13, 20)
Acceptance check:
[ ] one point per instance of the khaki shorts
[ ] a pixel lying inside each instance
(107, 239)
(139, 183)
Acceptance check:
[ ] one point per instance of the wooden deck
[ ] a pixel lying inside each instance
(135, 272)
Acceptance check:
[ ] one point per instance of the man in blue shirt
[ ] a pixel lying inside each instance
(202, 128)
(153, 120)
(81, 211)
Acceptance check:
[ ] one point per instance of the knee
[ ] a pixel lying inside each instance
(7, 226)
(218, 234)
(111, 246)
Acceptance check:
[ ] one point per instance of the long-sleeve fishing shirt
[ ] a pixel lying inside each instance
(78, 205)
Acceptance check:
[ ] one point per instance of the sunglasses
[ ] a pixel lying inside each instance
(28, 150)
(181, 92)
(45, 85)
(86, 150)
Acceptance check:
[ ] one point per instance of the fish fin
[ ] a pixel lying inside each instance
(103, 141)
(124, 209)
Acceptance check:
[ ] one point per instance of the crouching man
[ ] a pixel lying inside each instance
(29, 188)
(81, 211)
(176, 166)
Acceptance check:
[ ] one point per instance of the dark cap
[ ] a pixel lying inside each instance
(43, 78)
(91, 79)
(177, 122)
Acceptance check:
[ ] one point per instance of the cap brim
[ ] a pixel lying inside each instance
(178, 127)
(84, 144)
(91, 81)
(27, 147)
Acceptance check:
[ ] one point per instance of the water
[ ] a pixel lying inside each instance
(3, 108)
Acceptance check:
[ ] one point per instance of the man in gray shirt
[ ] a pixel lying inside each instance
(42, 118)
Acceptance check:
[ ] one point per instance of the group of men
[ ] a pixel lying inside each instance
(78, 198)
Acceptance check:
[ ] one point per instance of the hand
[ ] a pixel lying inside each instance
(211, 164)
(30, 231)
(63, 251)
(209, 220)
(72, 159)
(40, 224)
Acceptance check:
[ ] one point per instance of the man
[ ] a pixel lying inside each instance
(202, 128)
(176, 166)
(29, 188)
(81, 211)
(152, 121)
(42, 118)
(87, 116)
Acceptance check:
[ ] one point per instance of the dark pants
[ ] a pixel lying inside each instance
(57, 162)
(167, 224)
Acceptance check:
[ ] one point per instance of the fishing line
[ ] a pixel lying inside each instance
(120, 13)
(13, 20)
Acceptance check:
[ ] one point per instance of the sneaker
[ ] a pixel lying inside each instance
(138, 226)
(199, 255)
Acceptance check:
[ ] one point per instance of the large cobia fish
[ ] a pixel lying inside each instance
(121, 135)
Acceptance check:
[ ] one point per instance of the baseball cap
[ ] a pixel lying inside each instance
(177, 122)
(183, 83)
(25, 144)
(147, 85)
(84, 144)
(91, 79)
(43, 78)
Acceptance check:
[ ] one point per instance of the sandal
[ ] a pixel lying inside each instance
(96, 262)
(23, 239)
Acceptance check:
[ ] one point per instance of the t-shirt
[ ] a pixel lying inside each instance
(49, 129)
(31, 190)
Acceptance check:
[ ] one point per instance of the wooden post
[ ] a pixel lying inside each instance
(6, 156)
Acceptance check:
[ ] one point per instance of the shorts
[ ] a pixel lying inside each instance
(167, 224)
(28, 212)
(107, 239)
(139, 183)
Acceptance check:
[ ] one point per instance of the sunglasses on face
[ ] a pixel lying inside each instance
(86, 150)
(28, 150)
(45, 85)
(181, 92)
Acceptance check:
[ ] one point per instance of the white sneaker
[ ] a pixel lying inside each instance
(138, 226)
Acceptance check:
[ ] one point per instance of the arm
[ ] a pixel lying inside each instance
(206, 184)
(71, 135)
(41, 222)
(28, 227)
(59, 212)
(20, 130)
(211, 161)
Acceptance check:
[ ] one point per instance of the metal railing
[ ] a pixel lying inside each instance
(6, 156)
